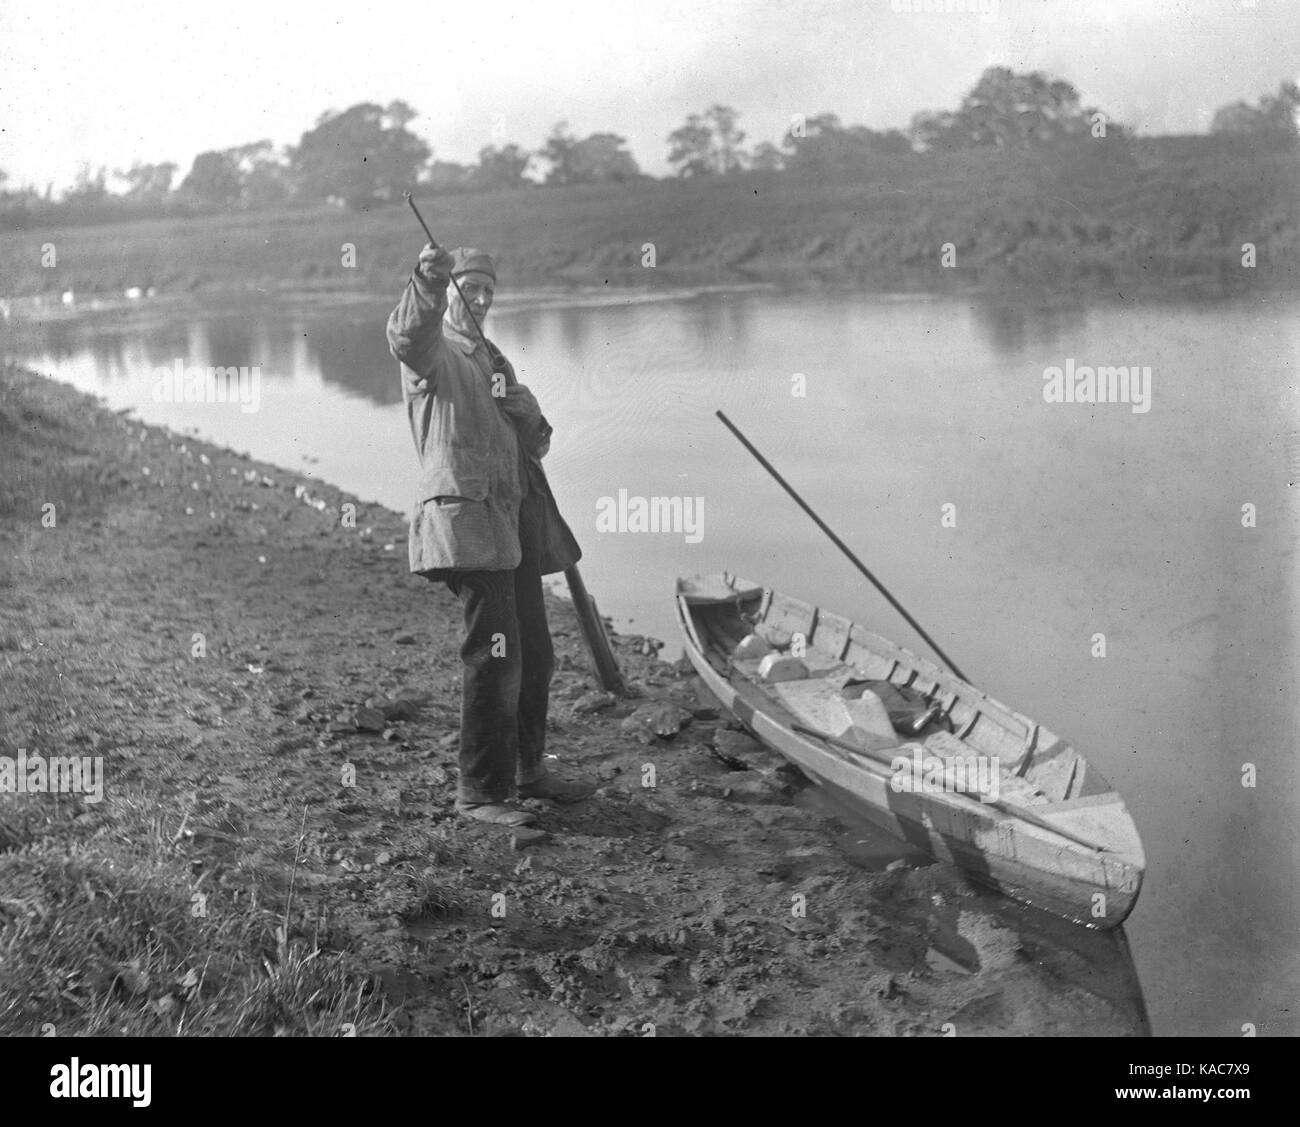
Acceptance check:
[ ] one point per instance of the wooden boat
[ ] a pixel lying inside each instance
(1039, 823)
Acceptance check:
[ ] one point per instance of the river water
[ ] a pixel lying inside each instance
(1027, 536)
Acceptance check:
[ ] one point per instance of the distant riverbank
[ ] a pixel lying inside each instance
(1161, 215)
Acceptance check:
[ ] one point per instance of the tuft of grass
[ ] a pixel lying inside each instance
(27, 818)
(424, 897)
(307, 993)
(111, 935)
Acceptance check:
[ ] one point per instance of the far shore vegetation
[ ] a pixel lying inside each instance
(1022, 184)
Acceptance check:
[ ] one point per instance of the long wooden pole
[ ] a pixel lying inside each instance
(603, 661)
(893, 602)
(593, 630)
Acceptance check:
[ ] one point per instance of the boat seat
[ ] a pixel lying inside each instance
(1013, 789)
(818, 665)
(776, 667)
(817, 704)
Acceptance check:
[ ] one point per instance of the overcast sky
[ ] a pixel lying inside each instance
(107, 83)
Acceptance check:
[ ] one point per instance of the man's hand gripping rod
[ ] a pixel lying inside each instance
(434, 243)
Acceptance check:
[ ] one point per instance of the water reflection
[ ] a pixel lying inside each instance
(572, 324)
(348, 351)
(1012, 327)
(1065, 956)
(353, 353)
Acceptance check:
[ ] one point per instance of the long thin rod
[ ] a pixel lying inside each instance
(893, 602)
(434, 243)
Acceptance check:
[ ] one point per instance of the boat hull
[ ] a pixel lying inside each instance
(1038, 864)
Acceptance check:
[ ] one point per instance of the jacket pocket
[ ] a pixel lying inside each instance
(455, 532)
(450, 505)
(453, 483)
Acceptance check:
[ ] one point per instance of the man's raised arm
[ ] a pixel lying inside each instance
(415, 326)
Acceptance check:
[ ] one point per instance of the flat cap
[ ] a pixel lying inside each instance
(468, 260)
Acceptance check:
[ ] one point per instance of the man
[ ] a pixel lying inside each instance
(484, 523)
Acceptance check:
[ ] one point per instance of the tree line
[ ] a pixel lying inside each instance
(366, 156)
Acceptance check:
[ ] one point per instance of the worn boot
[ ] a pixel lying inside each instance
(495, 813)
(557, 790)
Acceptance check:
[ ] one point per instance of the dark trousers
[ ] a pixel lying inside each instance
(508, 661)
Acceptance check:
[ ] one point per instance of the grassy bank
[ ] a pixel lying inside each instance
(1158, 214)
(274, 702)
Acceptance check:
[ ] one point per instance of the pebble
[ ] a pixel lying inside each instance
(594, 702)
(735, 744)
(368, 720)
(662, 719)
(525, 836)
(803, 927)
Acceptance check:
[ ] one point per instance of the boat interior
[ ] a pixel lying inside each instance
(875, 699)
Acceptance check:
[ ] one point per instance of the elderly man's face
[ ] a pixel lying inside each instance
(478, 290)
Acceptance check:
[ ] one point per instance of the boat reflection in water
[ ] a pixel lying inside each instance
(1031, 971)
